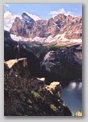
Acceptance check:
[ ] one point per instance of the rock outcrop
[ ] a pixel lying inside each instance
(9, 47)
(26, 96)
(63, 65)
(27, 19)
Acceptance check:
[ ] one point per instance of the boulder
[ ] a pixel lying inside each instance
(63, 65)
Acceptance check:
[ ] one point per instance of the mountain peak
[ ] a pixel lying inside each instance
(61, 28)
(27, 18)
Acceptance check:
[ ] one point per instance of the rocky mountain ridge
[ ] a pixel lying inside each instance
(57, 30)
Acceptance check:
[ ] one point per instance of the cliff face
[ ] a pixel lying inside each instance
(9, 46)
(70, 26)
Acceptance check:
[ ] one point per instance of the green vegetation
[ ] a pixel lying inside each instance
(56, 47)
(35, 94)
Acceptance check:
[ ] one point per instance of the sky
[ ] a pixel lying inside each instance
(38, 11)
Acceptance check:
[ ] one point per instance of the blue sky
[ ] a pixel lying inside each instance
(43, 10)
(40, 11)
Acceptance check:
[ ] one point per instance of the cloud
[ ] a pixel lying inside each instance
(7, 5)
(9, 19)
(7, 16)
(34, 17)
(61, 11)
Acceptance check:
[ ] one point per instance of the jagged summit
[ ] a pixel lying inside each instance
(27, 18)
(60, 30)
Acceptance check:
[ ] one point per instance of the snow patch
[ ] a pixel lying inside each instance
(76, 40)
(59, 39)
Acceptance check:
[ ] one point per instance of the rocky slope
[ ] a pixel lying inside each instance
(26, 96)
(24, 93)
(60, 30)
